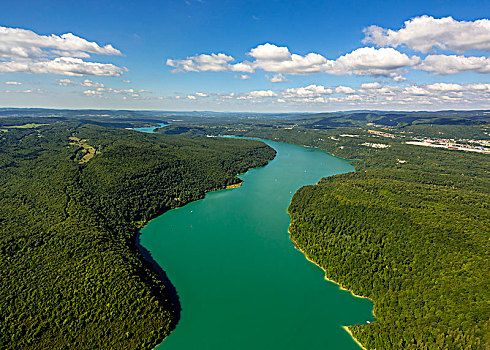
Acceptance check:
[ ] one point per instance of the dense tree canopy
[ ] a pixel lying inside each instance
(71, 275)
(419, 250)
(409, 229)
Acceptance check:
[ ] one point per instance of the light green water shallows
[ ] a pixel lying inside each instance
(240, 281)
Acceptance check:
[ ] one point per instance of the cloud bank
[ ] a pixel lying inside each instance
(373, 94)
(278, 59)
(423, 34)
(24, 51)
(444, 64)
(426, 33)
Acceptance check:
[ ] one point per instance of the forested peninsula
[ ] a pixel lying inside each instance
(73, 196)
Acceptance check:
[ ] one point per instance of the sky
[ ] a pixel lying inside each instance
(248, 56)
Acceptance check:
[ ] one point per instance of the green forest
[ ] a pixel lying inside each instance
(409, 229)
(418, 250)
(73, 196)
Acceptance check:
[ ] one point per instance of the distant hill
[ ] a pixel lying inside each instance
(394, 119)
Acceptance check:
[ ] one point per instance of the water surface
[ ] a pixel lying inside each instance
(240, 281)
(150, 129)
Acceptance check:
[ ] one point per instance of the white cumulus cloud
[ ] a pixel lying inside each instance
(479, 87)
(371, 61)
(24, 51)
(242, 76)
(363, 61)
(272, 58)
(415, 90)
(270, 52)
(425, 33)
(245, 67)
(277, 78)
(28, 91)
(308, 91)
(452, 64)
(70, 66)
(93, 93)
(208, 63)
(399, 78)
(445, 87)
(344, 89)
(127, 91)
(371, 85)
(86, 82)
(370, 95)
(25, 43)
(262, 93)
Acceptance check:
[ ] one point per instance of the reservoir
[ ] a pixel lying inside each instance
(150, 129)
(240, 281)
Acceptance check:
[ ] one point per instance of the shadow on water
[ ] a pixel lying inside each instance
(169, 287)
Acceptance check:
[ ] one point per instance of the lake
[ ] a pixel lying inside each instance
(240, 281)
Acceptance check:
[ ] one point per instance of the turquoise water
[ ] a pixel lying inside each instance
(240, 281)
(150, 129)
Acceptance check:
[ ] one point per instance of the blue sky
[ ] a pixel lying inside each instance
(427, 61)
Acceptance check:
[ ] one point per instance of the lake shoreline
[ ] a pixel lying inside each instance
(236, 185)
(147, 258)
(169, 288)
(341, 287)
(346, 328)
